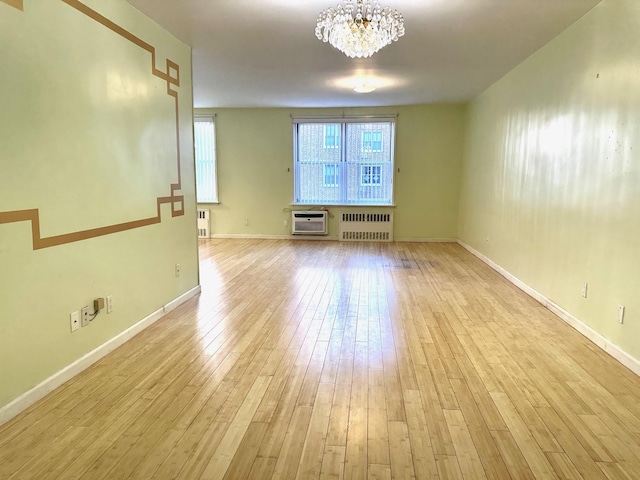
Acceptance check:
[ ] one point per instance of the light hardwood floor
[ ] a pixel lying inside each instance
(334, 360)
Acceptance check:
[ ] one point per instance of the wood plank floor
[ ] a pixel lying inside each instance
(326, 360)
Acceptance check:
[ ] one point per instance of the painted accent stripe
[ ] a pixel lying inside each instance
(166, 76)
(81, 7)
(172, 77)
(33, 216)
(14, 3)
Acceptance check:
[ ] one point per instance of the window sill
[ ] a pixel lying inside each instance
(340, 205)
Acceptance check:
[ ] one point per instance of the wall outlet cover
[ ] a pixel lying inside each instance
(75, 320)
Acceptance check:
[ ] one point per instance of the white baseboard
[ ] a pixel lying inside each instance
(512, 278)
(326, 237)
(425, 240)
(275, 237)
(54, 381)
(176, 302)
(604, 343)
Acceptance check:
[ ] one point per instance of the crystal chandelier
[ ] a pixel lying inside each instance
(359, 28)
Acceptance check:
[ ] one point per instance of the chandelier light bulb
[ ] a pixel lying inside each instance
(359, 28)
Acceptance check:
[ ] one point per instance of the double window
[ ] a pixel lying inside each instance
(205, 153)
(345, 161)
(372, 141)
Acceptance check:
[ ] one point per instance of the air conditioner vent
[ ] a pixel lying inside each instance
(309, 222)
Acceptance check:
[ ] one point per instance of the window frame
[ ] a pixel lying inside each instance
(207, 119)
(345, 199)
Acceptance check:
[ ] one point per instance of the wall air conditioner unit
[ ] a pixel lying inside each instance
(309, 223)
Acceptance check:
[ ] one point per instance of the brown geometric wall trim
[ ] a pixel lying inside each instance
(14, 3)
(33, 216)
(172, 77)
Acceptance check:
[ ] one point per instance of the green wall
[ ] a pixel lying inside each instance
(551, 178)
(255, 159)
(88, 137)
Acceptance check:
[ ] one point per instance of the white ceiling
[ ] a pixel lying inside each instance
(264, 53)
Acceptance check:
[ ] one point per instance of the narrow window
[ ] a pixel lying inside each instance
(205, 154)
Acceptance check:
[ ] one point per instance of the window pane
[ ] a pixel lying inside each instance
(205, 154)
(369, 163)
(332, 136)
(314, 159)
(343, 163)
(331, 175)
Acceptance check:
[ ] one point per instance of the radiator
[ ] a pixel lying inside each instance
(309, 223)
(204, 226)
(366, 227)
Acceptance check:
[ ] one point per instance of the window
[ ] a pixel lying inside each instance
(370, 175)
(372, 141)
(205, 153)
(332, 136)
(330, 175)
(356, 170)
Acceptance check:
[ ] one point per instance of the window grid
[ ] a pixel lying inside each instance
(370, 175)
(372, 141)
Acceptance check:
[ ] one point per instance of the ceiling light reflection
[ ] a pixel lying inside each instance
(364, 88)
(365, 82)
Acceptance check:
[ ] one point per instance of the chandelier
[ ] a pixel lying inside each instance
(359, 28)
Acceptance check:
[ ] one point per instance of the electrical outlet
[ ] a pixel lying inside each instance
(246, 222)
(620, 313)
(286, 223)
(585, 286)
(177, 269)
(84, 315)
(109, 304)
(75, 321)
